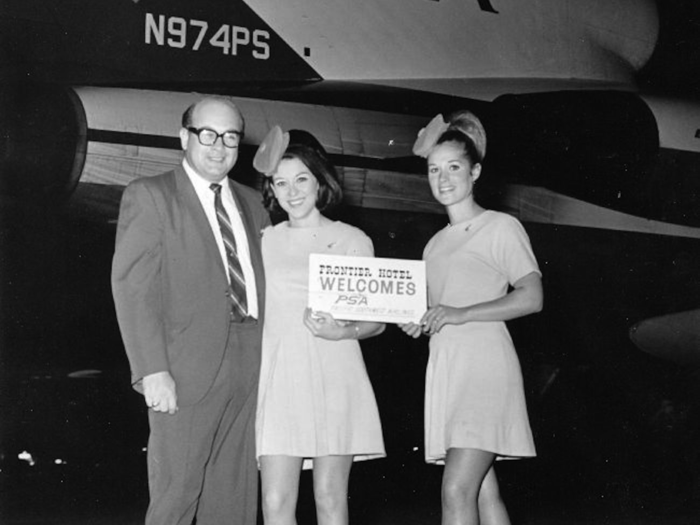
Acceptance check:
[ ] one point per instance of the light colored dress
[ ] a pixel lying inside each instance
(474, 394)
(315, 397)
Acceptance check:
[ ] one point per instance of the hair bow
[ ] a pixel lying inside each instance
(463, 121)
(471, 126)
(429, 135)
(270, 151)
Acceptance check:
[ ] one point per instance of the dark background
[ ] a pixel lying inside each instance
(614, 447)
(674, 68)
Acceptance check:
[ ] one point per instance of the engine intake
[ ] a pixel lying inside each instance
(43, 141)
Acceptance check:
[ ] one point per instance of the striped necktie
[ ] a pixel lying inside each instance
(238, 295)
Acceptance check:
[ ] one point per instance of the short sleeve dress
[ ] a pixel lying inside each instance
(315, 397)
(474, 394)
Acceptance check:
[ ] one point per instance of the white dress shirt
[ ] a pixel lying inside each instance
(206, 197)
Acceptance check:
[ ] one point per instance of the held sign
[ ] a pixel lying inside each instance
(367, 288)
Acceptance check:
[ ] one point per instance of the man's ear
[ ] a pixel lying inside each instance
(184, 138)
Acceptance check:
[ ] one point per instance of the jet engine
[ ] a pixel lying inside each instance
(43, 141)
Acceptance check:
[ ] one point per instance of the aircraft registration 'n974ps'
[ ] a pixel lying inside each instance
(605, 177)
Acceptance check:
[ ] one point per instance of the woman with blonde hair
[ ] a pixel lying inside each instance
(481, 272)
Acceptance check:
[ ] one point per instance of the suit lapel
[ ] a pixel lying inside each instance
(190, 201)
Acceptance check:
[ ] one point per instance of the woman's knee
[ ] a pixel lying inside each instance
(329, 498)
(459, 491)
(278, 502)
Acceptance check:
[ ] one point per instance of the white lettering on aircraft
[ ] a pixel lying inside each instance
(181, 33)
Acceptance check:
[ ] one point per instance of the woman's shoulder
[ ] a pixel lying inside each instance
(506, 230)
(347, 230)
(501, 219)
(274, 229)
(351, 239)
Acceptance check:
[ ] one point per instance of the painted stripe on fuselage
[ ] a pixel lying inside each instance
(527, 203)
(173, 143)
(373, 150)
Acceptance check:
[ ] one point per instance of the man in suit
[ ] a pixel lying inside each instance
(188, 290)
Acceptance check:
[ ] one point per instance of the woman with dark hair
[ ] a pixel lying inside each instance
(316, 405)
(481, 272)
(304, 147)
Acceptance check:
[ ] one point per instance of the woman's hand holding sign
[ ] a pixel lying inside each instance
(434, 319)
(325, 326)
(412, 329)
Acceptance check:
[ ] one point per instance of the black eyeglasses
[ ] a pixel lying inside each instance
(208, 137)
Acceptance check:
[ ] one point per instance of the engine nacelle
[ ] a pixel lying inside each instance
(43, 141)
(597, 146)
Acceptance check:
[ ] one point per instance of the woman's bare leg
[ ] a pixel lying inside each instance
(279, 476)
(465, 470)
(492, 509)
(331, 478)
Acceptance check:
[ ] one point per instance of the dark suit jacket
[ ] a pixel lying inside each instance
(169, 282)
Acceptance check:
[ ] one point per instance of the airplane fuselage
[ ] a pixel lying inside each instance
(102, 85)
(604, 178)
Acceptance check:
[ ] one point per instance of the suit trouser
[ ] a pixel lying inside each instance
(201, 460)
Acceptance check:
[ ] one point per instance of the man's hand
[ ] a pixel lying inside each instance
(159, 392)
